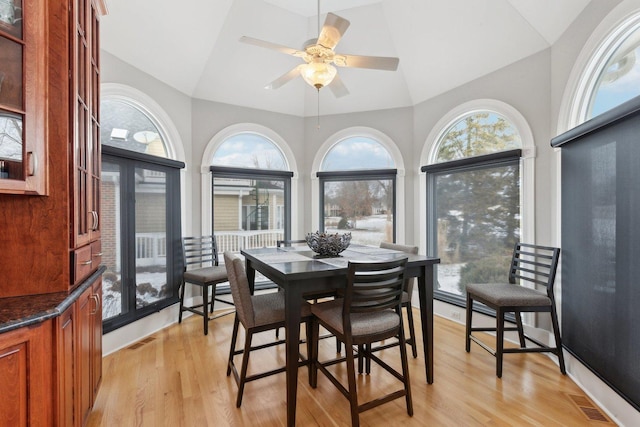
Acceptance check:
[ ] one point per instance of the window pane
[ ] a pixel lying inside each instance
(619, 79)
(365, 208)
(111, 244)
(248, 212)
(248, 150)
(151, 236)
(357, 153)
(477, 134)
(477, 225)
(124, 126)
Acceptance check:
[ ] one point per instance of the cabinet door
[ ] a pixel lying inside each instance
(26, 399)
(65, 357)
(84, 390)
(85, 84)
(23, 86)
(96, 344)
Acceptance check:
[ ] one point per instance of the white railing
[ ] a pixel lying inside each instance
(151, 249)
(237, 240)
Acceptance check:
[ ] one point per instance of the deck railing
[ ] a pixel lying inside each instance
(151, 248)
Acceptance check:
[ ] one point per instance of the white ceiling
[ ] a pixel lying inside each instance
(192, 45)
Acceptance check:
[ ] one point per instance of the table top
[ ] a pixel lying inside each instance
(298, 262)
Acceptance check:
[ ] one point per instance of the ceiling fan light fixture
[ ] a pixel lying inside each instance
(318, 74)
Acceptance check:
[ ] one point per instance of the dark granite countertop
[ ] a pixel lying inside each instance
(16, 312)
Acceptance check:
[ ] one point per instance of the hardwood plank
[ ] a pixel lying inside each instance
(177, 377)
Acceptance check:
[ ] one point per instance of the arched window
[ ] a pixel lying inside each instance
(249, 150)
(124, 125)
(357, 182)
(474, 184)
(607, 72)
(249, 187)
(357, 153)
(138, 239)
(476, 134)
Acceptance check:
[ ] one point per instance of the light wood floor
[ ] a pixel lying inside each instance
(177, 377)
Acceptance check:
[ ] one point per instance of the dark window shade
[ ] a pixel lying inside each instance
(601, 246)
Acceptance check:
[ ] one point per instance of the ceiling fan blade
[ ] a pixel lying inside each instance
(337, 87)
(374, 62)
(272, 46)
(332, 30)
(285, 78)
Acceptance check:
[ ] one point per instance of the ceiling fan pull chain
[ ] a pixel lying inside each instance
(318, 109)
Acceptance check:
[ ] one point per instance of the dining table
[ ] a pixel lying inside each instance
(299, 271)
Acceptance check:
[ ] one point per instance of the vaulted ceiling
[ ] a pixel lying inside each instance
(193, 46)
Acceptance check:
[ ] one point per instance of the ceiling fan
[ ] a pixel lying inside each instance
(319, 55)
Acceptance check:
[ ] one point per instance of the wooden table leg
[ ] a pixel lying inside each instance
(425, 291)
(293, 301)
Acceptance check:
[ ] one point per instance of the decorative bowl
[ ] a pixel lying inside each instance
(328, 244)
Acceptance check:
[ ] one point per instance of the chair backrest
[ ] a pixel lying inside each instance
(240, 291)
(281, 243)
(408, 286)
(199, 252)
(534, 264)
(373, 286)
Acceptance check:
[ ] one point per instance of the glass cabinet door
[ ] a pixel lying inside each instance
(22, 97)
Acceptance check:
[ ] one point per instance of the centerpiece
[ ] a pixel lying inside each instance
(328, 244)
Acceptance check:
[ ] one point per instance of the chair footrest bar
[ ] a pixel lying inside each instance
(483, 345)
(384, 399)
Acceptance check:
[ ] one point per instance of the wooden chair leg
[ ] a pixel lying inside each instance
(245, 363)
(205, 304)
(412, 331)
(499, 341)
(367, 358)
(405, 373)
(556, 335)
(360, 358)
(234, 338)
(310, 342)
(518, 316)
(213, 298)
(313, 378)
(467, 338)
(353, 392)
(184, 285)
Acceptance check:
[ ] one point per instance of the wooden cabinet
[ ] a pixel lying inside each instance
(23, 97)
(78, 353)
(85, 90)
(24, 358)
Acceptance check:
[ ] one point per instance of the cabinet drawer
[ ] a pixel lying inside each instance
(82, 263)
(96, 254)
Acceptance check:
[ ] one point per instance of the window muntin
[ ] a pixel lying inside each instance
(476, 134)
(125, 126)
(618, 79)
(249, 150)
(357, 153)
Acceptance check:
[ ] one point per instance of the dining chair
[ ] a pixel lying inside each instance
(369, 311)
(531, 265)
(201, 269)
(256, 313)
